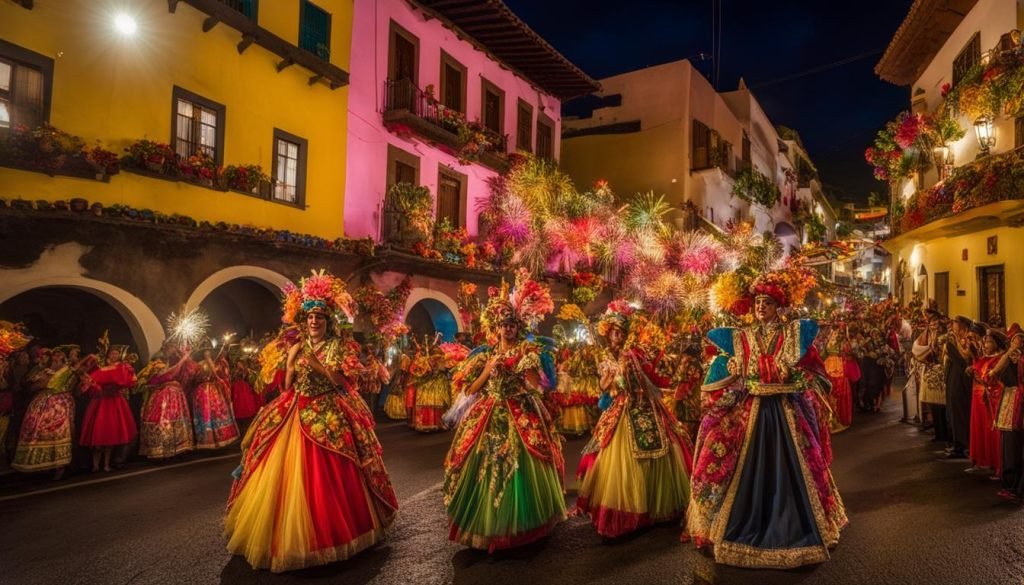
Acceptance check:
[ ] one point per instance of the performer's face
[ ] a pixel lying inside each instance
(616, 336)
(113, 356)
(989, 344)
(765, 308)
(58, 359)
(317, 323)
(509, 331)
(73, 354)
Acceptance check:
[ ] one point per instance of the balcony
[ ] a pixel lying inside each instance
(716, 157)
(994, 182)
(407, 108)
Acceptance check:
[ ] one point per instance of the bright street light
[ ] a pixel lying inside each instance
(125, 24)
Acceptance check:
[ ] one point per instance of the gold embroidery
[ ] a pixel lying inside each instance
(827, 529)
(750, 557)
(721, 521)
(757, 389)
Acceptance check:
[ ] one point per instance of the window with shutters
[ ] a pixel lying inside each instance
(701, 146)
(197, 125)
(493, 107)
(524, 127)
(26, 81)
(450, 186)
(403, 55)
(969, 56)
(248, 8)
(315, 30)
(290, 154)
(453, 83)
(545, 138)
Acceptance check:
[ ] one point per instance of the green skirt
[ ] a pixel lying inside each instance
(482, 515)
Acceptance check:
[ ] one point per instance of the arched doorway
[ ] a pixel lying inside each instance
(429, 317)
(244, 300)
(788, 235)
(57, 315)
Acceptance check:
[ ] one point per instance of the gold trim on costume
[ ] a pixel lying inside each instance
(759, 389)
(750, 557)
(721, 521)
(827, 529)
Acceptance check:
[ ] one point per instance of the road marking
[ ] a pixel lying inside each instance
(117, 477)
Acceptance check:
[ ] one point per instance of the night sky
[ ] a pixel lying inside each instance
(836, 111)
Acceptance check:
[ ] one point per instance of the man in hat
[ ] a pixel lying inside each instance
(958, 357)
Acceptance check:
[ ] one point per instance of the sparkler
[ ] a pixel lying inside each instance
(188, 327)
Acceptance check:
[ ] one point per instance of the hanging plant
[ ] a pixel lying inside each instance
(417, 204)
(754, 186)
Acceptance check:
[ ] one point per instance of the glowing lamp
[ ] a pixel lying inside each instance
(125, 24)
(985, 130)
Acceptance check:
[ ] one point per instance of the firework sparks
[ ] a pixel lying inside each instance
(188, 327)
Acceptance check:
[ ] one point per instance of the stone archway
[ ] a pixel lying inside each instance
(241, 299)
(428, 311)
(142, 324)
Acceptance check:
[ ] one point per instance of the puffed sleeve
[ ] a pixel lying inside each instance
(722, 338)
(808, 331)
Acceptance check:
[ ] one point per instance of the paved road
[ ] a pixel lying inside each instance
(914, 520)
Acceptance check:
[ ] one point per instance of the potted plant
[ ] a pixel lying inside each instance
(156, 157)
(200, 168)
(104, 162)
(246, 178)
(45, 148)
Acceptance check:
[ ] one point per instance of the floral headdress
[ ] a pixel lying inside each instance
(321, 292)
(12, 338)
(618, 314)
(528, 303)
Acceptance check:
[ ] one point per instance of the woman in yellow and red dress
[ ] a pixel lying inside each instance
(312, 487)
(430, 391)
(108, 421)
(213, 420)
(842, 372)
(635, 471)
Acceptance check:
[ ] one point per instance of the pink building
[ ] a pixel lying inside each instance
(413, 64)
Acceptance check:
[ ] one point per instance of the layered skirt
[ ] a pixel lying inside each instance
(245, 401)
(166, 423)
(46, 431)
(841, 396)
(303, 504)
(499, 493)
(985, 447)
(394, 405)
(429, 399)
(212, 419)
(622, 492)
(108, 421)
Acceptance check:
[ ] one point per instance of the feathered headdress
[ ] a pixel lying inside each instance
(321, 292)
(12, 338)
(528, 303)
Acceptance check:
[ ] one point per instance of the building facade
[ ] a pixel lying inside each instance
(432, 73)
(956, 226)
(665, 129)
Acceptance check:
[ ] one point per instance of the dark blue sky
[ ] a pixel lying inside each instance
(836, 112)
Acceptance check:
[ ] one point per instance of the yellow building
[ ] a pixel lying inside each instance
(957, 236)
(246, 82)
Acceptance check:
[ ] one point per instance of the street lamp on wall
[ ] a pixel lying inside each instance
(985, 130)
(943, 160)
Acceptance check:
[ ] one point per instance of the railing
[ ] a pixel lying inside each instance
(246, 7)
(402, 95)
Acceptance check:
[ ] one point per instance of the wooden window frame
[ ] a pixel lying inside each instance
(396, 154)
(330, 26)
(463, 180)
(967, 58)
(446, 61)
(26, 58)
(702, 129)
(220, 109)
(395, 30)
(487, 86)
(521, 107)
(543, 120)
(300, 180)
(1018, 131)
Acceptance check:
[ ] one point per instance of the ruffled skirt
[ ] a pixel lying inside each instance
(108, 422)
(212, 418)
(166, 423)
(45, 439)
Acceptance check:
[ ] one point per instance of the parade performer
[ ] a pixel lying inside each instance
(503, 474)
(578, 392)
(47, 430)
(930, 372)
(429, 391)
(166, 420)
(394, 404)
(212, 418)
(842, 372)
(635, 470)
(762, 494)
(245, 401)
(375, 375)
(312, 487)
(108, 420)
(986, 447)
(12, 340)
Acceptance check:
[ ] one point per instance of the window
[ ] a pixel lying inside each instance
(197, 125)
(403, 62)
(524, 127)
(1018, 132)
(289, 175)
(701, 151)
(451, 187)
(493, 107)
(746, 151)
(249, 8)
(969, 56)
(315, 30)
(453, 83)
(545, 138)
(26, 81)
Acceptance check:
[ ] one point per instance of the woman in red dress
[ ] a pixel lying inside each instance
(985, 447)
(108, 418)
(313, 488)
(244, 399)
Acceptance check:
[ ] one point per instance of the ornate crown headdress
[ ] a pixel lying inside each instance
(528, 303)
(618, 314)
(321, 292)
